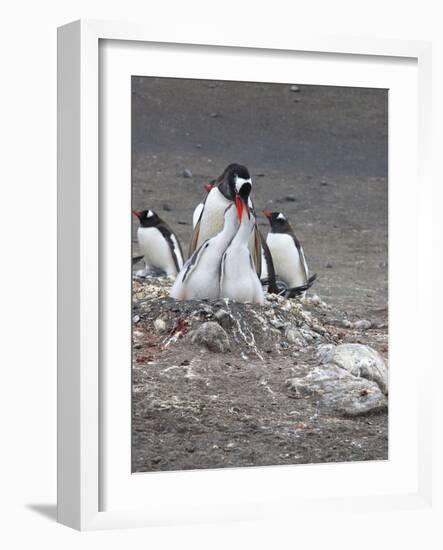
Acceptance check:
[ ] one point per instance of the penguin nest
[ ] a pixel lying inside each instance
(278, 325)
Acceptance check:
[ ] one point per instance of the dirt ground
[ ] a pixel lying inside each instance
(319, 155)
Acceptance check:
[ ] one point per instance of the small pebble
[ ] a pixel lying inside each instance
(187, 173)
(166, 207)
(295, 88)
(136, 319)
(159, 325)
(214, 115)
(328, 265)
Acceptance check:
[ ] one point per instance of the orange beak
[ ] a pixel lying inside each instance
(239, 206)
(208, 187)
(267, 213)
(136, 213)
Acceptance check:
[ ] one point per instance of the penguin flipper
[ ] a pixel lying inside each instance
(172, 240)
(271, 278)
(195, 235)
(256, 252)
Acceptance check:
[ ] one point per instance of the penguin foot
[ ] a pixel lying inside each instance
(151, 272)
(299, 290)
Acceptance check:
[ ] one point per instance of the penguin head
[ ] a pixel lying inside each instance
(278, 222)
(148, 218)
(234, 181)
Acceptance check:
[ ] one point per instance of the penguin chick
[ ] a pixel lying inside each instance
(158, 243)
(200, 277)
(238, 278)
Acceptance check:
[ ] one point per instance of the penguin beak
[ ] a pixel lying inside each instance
(137, 213)
(239, 204)
(267, 214)
(208, 187)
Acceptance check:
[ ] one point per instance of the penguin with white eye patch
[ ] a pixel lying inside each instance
(287, 255)
(159, 245)
(227, 186)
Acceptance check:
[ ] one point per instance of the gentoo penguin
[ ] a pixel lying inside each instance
(198, 209)
(200, 276)
(159, 245)
(238, 275)
(226, 188)
(287, 254)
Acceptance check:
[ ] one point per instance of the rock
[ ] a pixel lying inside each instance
(346, 323)
(363, 324)
(214, 115)
(136, 319)
(338, 389)
(293, 336)
(159, 325)
(328, 265)
(284, 345)
(224, 318)
(166, 207)
(289, 198)
(187, 173)
(295, 88)
(359, 360)
(198, 145)
(212, 336)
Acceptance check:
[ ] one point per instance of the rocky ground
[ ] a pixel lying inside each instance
(277, 396)
(224, 384)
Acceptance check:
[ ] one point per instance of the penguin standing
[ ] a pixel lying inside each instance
(199, 278)
(159, 245)
(238, 276)
(287, 255)
(226, 188)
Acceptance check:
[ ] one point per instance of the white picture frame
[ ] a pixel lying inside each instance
(80, 413)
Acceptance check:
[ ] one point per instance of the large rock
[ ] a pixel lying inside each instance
(337, 389)
(359, 360)
(212, 336)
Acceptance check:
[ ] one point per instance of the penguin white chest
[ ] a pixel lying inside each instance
(156, 250)
(288, 263)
